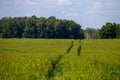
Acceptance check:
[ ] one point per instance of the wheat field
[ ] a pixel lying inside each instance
(59, 59)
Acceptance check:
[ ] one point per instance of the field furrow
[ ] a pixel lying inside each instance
(56, 68)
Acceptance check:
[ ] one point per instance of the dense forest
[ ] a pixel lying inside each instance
(34, 27)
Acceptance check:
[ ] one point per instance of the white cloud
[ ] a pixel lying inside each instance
(64, 2)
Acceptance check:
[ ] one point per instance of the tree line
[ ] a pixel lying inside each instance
(34, 27)
(107, 31)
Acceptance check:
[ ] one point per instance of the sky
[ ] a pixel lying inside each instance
(87, 13)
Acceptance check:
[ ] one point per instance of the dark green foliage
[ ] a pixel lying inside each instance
(110, 31)
(118, 31)
(33, 27)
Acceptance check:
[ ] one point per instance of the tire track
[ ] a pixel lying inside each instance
(69, 49)
(56, 66)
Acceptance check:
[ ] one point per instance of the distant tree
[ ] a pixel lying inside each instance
(41, 27)
(77, 32)
(50, 32)
(91, 33)
(118, 31)
(108, 31)
(30, 29)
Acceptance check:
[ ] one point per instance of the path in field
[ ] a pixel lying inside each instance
(55, 66)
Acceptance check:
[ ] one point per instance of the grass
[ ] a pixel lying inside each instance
(28, 59)
(53, 59)
(98, 60)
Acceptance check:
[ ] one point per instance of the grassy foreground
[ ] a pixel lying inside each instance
(52, 59)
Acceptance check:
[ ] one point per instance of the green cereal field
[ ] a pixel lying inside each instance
(59, 59)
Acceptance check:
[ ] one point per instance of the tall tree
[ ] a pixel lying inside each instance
(91, 33)
(108, 31)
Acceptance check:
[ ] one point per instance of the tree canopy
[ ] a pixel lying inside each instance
(34, 27)
(110, 31)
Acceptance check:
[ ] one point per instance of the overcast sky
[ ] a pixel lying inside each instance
(87, 13)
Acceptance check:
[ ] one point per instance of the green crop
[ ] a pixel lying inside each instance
(55, 59)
